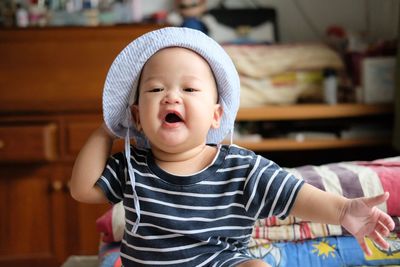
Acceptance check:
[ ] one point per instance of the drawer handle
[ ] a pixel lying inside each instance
(2, 144)
(57, 186)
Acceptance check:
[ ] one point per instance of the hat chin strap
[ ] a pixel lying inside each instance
(131, 172)
(231, 131)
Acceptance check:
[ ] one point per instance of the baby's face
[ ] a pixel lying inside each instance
(177, 100)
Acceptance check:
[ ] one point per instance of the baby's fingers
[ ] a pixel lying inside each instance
(379, 240)
(376, 200)
(387, 221)
(382, 229)
(375, 237)
(363, 245)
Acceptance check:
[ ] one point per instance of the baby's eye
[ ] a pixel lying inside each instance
(190, 90)
(155, 90)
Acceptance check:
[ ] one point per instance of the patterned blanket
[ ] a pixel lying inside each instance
(325, 252)
(293, 229)
(357, 179)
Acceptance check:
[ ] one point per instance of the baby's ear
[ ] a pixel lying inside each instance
(218, 111)
(135, 117)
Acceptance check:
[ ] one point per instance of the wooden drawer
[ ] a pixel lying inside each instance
(79, 131)
(77, 134)
(28, 143)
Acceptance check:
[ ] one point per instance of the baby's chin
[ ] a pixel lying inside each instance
(176, 145)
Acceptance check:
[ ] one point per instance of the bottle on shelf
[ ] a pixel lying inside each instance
(21, 16)
(330, 86)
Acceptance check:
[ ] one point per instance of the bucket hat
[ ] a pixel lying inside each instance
(122, 79)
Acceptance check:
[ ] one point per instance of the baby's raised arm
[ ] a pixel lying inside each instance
(89, 166)
(359, 216)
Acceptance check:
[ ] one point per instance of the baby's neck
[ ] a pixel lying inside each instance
(187, 162)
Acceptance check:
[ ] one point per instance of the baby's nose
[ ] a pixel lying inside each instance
(172, 97)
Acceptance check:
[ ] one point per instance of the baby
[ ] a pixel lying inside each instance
(190, 200)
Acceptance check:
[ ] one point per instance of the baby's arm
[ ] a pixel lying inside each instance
(359, 216)
(89, 166)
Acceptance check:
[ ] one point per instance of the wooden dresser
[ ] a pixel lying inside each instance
(51, 83)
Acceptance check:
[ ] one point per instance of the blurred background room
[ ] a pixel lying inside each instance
(319, 84)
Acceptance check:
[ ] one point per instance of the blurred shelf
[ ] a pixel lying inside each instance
(312, 111)
(281, 144)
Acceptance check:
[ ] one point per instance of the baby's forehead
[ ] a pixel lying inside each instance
(168, 57)
(174, 51)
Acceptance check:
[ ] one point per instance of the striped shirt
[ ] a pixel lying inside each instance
(205, 219)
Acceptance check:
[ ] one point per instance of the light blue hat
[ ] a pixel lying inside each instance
(122, 79)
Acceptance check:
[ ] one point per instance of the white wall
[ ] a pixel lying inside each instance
(377, 17)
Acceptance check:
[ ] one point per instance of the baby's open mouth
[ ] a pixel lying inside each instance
(173, 118)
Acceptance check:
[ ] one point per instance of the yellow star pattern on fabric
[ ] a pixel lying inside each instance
(324, 248)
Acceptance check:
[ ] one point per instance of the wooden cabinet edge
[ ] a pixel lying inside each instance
(63, 34)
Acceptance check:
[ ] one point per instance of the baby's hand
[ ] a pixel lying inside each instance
(362, 218)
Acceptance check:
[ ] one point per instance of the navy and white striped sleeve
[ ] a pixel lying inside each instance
(112, 180)
(270, 190)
